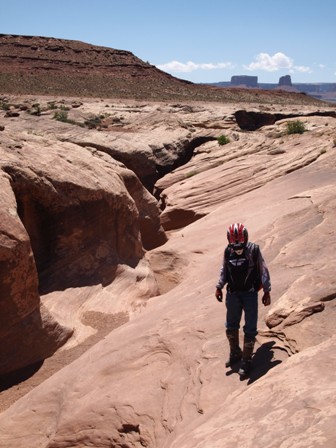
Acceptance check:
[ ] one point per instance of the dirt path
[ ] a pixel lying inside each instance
(18, 384)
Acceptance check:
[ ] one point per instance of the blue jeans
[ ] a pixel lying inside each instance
(236, 303)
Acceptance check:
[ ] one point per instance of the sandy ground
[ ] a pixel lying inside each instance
(13, 387)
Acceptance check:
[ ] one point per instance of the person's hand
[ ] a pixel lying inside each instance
(266, 299)
(219, 295)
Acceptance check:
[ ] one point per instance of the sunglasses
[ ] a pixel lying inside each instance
(239, 246)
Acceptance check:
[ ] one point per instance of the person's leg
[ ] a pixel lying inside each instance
(233, 316)
(234, 310)
(250, 305)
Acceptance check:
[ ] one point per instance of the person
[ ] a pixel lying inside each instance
(245, 272)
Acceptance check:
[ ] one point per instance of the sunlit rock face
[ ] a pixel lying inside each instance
(84, 236)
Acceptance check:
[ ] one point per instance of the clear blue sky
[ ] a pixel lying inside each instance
(202, 41)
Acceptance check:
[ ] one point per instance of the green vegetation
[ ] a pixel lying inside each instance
(191, 174)
(36, 109)
(51, 105)
(61, 115)
(295, 127)
(223, 140)
(4, 105)
(93, 122)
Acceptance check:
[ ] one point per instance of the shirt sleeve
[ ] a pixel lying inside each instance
(264, 273)
(222, 276)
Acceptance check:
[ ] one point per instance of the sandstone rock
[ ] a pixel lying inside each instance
(27, 334)
(303, 414)
(54, 209)
(159, 379)
(238, 167)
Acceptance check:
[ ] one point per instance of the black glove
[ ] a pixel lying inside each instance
(266, 299)
(219, 295)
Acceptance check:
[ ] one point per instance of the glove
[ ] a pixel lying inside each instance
(219, 295)
(266, 299)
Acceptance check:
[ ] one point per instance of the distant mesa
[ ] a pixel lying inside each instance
(248, 81)
(323, 91)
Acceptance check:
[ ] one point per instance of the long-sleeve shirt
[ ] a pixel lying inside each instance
(252, 270)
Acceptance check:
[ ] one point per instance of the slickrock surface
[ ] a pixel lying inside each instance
(144, 361)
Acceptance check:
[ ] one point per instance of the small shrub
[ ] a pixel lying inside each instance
(223, 140)
(61, 115)
(4, 105)
(93, 122)
(51, 105)
(295, 127)
(334, 142)
(191, 174)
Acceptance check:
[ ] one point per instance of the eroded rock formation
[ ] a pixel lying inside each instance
(70, 218)
(28, 333)
(159, 378)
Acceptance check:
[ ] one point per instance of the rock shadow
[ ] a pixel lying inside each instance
(13, 378)
(263, 361)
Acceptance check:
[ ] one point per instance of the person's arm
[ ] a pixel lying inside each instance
(265, 280)
(221, 282)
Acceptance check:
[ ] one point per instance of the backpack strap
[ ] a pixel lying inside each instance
(255, 256)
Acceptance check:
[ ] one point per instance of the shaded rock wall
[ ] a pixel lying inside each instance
(251, 120)
(27, 333)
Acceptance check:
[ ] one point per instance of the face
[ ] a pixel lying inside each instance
(238, 248)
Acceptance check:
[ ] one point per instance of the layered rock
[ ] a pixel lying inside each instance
(70, 219)
(160, 378)
(49, 66)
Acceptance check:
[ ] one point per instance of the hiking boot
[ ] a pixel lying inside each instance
(248, 346)
(235, 350)
(245, 368)
(234, 358)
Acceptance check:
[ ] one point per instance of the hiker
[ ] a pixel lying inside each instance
(244, 271)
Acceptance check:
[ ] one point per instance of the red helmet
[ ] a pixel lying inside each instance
(237, 234)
